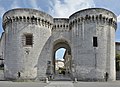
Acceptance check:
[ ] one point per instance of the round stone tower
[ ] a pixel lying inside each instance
(26, 32)
(31, 42)
(93, 44)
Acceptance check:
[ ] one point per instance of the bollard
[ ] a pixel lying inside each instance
(75, 79)
(46, 80)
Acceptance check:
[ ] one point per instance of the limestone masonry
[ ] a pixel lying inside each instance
(31, 38)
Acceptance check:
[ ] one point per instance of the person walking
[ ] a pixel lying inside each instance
(106, 76)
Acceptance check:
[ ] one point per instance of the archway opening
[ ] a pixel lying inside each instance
(62, 59)
(59, 61)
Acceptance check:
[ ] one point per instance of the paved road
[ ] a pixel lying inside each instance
(61, 77)
(59, 84)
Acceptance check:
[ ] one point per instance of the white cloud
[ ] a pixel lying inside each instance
(2, 11)
(15, 4)
(34, 4)
(118, 18)
(18, 4)
(67, 7)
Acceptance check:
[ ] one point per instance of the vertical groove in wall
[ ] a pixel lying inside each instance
(108, 51)
(82, 31)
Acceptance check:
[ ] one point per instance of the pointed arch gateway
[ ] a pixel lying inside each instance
(61, 43)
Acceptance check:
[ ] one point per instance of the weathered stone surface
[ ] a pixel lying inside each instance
(75, 34)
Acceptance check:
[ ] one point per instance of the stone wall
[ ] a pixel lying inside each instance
(2, 44)
(20, 58)
(60, 34)
(92, 62)
(75, 33)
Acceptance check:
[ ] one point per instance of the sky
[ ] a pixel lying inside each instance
(60, 53)
(62, 8)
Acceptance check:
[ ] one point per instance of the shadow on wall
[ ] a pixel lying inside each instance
(118, 75)
(43, 59)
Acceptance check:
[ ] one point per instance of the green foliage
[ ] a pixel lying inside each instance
(117, 57)
(61, 70)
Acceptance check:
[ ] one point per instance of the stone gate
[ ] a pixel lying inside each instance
(32, 38)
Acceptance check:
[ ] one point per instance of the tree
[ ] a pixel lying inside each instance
(118, 57)
(117, 62)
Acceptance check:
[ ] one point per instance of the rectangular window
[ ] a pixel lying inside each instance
(95, 42)
(28, 39)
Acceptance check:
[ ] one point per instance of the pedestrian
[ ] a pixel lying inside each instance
(106, 76)
(19, 74)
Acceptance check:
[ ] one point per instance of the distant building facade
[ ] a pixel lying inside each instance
(117, 47)
(118, 60)
(118, 54)
(59, 64)
(67, 61)
(31, 38)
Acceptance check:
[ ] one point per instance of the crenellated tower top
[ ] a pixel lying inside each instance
(90, 15)
(61, 24)
(26, 15)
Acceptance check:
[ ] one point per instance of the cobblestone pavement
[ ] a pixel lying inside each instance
(59, 84)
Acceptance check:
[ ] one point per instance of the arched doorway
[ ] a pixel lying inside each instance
(59, 61)
(64, 71)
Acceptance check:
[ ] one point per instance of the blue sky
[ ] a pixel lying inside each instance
(61, 8)
(60, 53)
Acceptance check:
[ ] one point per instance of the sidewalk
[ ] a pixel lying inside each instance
(59, 84)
